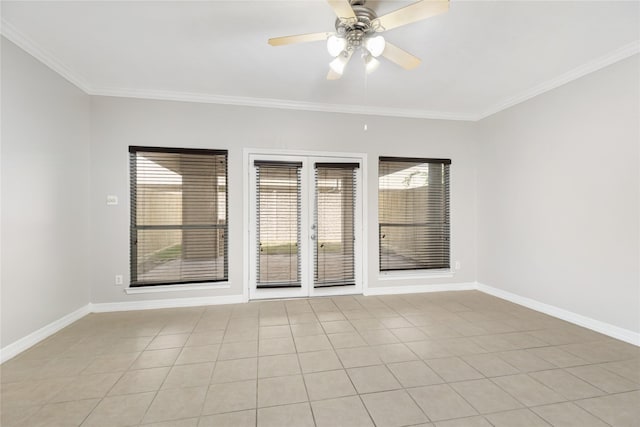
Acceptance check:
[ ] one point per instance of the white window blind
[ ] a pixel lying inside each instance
(178, 216)
(278, 204)
(413, 213)
(334, 224)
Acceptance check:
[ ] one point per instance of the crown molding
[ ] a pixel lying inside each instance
(279, 104)
(619, 54)
(12, 34)
(26, 44)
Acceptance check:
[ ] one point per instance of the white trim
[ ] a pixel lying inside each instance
(12, 34)
(165, 303)
(610, 58)
(414, 289)
(613, 331)
(24, 343)
(175, 288)
(24, 43)
(283, 104)
(415, 274)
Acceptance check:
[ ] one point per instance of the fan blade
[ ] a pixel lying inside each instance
(332, 75)
(342, 8)
(414, 12)
(404, 59)
(301, 38)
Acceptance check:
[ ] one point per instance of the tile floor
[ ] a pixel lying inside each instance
(439, 359)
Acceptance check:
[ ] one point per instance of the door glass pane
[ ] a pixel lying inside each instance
(334, 220)
(278, 230)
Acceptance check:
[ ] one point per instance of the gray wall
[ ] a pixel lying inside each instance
(45, 195)
(558, 189)
(117, 123)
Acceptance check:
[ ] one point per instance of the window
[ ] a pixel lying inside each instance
(178, 216)
(413, 213)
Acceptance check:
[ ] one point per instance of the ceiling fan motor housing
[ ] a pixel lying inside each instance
(355, 31)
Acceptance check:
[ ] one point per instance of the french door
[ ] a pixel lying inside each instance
(305, 229)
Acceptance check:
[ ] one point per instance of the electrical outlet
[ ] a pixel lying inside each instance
(119, 280)
(458, 266)
(112, 200)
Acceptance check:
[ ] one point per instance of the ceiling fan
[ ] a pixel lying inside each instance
(356, 29)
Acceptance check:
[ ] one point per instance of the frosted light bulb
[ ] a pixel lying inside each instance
(335, 45)
(375, 45)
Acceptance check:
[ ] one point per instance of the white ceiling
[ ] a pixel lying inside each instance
(478, 58)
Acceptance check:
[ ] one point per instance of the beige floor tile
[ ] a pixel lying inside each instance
(140, 381)
(279, 365)
(329, 316)
(281, 391)
(337, 327)
(198, 354)
(230, 397)
(358, 356)
(557, 356)
(226, 371)
(524, 361)
(205, 338)
(368, 325)
(567, 415)
(275, 346)
(618, 410)
(453, 369)
(393, 409)
(428, 349)
(187, 422)
(60, 368)
(603, 379)
(240, 335)
(193, 375)
(128, 345)
(230, 419)
(312, 343)
(485, 396)
(298, 415)
(317, 361)
(175, 404)
(569, 386)
(409, 334)
(280, 331)
(301, 318)
(370, 379)
(112, 363)
(328, 384)
(465, 422)
(87, 387)
(396, 322)
(30, 393)
(17, 416)
(441, 402)
(168, 341)
(414, 374)
(307, 329)
(393, 353)
(62, 414)
(120, 410)
(629, 369)
(378, 336)
(527, 390)
(156, 358)
(238, 350)
(341, 412)
(516, 418)
(490, 365)
(346, 340)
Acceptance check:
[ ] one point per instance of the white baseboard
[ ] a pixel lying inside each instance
(165, 303)
(613, 331)
(414, 289)
(17, 347)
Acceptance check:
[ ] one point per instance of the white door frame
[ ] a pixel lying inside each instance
(308, 195)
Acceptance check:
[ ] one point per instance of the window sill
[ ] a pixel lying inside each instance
(175, 288)
(416, 274)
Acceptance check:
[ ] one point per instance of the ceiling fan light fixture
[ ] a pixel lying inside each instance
(335, 45)
(338, 64)
(371, 64)
(375, 45)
